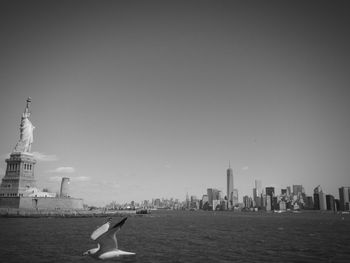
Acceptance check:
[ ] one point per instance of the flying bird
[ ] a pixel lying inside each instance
(107, 245)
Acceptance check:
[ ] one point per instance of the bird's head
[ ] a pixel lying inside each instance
(90, 252)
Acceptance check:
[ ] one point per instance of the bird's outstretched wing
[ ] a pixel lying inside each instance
(101, 230)
(108, 240)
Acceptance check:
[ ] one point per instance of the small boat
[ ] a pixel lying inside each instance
(143, 211)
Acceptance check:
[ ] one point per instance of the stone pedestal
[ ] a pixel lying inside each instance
(19, 177)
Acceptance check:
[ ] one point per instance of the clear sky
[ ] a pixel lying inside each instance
(137, 100)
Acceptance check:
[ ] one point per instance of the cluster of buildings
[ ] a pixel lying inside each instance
(268, 199)
(156, 203)
(262, 199)
(295, 198)
(215, 199)
(265, 199)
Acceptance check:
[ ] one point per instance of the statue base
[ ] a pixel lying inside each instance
(19, 177)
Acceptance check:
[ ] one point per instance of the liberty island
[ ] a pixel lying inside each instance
(18, 187)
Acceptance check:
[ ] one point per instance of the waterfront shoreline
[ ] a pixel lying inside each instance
(10, 213)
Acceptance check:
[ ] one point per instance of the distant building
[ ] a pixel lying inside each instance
(317, 191)
(216, 204)
(330, 202)
(270, 192)
(275, 205)
(204, 202)
(258, 187)
(257, 194)
(64, 192)
(264, 201)
(213, 196)
(288, 191)
(145, 203)
(205, 199)
(247, 202)
(258, 202)
(221, 196)
(193, 198)
(235, 197)
(187, 201)
(322, 198)
(282, 206)
(157, 203)
(255, 198)
(336, 204)
(194, 202)
(254, 193)
(297, 189)
(309, 204)
(344, 197)
(268, 202)
(316, 201)
(223, 205)
(229, 174)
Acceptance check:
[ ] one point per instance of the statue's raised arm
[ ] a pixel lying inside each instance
(26, 131)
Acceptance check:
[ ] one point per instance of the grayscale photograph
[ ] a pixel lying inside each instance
(174, 131)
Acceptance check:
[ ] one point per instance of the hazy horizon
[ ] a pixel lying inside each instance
(135, 100)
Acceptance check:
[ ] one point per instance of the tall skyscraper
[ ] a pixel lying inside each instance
(229, 187)
(257, 193)
(268, 203)
(204, 201)
(235, 196)
(322, 198)
(330, 202)
(316, 201)
(254, 193)
(258, 187)
(344, 197)
(317, 191)
(187, 201)
(270, 193)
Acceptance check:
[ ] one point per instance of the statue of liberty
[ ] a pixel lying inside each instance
(26, 131)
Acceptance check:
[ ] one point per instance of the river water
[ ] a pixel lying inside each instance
(184, 236)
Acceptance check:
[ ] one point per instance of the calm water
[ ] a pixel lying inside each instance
(170, 236)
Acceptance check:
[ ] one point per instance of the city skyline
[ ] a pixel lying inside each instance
(133, 99)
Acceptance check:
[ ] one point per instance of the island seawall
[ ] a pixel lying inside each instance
(15, 212)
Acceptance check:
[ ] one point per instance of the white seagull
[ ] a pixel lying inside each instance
(107, 245)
